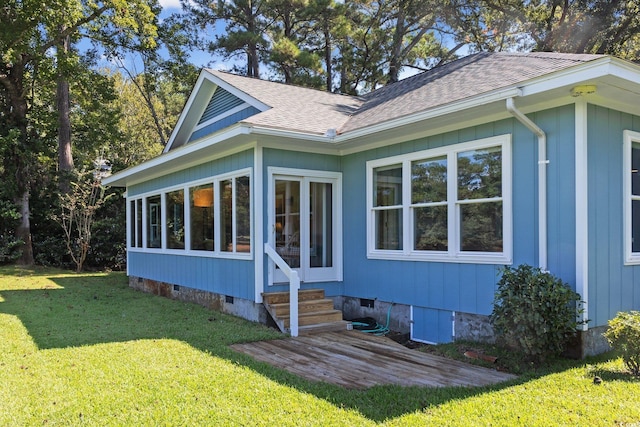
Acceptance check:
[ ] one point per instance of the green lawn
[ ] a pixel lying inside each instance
(87, 350)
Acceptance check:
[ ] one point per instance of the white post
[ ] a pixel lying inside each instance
(294, 285)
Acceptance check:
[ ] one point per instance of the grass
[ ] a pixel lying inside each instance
(84, 349)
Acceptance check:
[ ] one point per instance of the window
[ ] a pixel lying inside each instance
(200, 217)
(175, 219)
(447, 204)
(154, 229)
(202, 225)
(135, 223)
(631, 183)
(235, 220)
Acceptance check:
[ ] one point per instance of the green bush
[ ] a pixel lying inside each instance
(534, 312)
(624, 336)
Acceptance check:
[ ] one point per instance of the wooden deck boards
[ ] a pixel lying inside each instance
(354, 359)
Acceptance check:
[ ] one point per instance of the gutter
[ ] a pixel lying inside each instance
(542, 180)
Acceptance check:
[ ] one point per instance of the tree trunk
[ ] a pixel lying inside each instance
(13, 83)
(65, 158)
(23, 231)
(327, 55)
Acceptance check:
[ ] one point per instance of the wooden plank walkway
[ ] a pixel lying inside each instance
(354, 359)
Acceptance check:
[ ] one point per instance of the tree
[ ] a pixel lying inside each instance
(244, 34)
(78, 212)
(573, 26)
(28, 30)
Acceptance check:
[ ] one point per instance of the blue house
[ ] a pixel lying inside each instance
(405, 202)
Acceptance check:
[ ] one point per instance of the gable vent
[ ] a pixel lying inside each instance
(221, 102)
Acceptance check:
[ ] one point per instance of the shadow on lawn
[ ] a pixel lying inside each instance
(94, 309)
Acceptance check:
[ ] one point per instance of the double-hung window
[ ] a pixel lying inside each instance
(449, 204)
(631, 184)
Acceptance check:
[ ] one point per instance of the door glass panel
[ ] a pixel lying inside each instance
(320, 225)
(287, 226)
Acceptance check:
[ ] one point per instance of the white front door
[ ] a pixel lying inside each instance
(306, 224)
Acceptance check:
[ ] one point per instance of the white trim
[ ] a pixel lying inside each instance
(453, 254)
(258, 220)
(305, 176)
(197, 103)
(214, 181)
(582, 207)
(221, 116)
(630, 257)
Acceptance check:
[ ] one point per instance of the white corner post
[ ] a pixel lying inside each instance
(582, 209)
(542, 180)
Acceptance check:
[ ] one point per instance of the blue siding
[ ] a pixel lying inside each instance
(561, 206)
(432, 325)
(613, 286)
(216, 167)
(438, 288)
(221, 102)
(222, 276)
(224, 123)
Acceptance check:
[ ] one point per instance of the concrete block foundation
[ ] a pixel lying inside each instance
(231, 305)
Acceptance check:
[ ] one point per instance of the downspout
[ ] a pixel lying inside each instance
(542, 180)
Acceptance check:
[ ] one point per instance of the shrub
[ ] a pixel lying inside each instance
(624, 336)
(535, 312)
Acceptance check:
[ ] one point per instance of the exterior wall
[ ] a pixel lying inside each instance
(613, 287)
(295, 160)
(224, 276)
(443, 288)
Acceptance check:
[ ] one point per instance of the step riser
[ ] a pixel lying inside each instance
(304, 307)
(314, 310)
(315, 319)
(283, 297)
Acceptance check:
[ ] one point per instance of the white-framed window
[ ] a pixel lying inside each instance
(208, 217)
(631, 188)
(450, 204)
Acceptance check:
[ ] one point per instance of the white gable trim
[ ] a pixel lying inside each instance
(222, 116)
(195, 106)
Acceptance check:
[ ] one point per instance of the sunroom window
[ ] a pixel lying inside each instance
(154, 224)
(455, 201)
(175, 220)
(202, 225)
(201, 217)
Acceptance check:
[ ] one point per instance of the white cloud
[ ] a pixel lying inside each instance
(170, 4)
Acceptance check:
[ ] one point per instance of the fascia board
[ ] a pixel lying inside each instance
(186, 111)
(587, 72)
(121, 178)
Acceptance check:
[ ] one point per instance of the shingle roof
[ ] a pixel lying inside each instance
(292, 107)
(467, 77)
(308, 110)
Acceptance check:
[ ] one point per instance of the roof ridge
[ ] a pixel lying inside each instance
(275, 82)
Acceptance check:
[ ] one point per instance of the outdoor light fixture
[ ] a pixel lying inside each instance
(583, 90)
